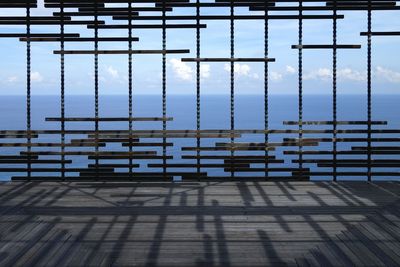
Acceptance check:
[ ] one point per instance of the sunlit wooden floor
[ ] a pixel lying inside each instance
(200, 224)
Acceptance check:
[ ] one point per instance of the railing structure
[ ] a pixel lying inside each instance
(241, 160)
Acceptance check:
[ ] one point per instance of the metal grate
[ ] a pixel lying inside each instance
(267, 165)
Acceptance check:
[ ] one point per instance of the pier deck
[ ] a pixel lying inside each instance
(200, 224)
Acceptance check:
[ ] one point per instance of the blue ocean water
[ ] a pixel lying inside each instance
(215, 114)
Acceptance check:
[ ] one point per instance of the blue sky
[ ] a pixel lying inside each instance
(215, 43)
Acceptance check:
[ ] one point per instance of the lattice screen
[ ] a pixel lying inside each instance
(234, 159)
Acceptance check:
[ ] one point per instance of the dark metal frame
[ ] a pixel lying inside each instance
(233, 163)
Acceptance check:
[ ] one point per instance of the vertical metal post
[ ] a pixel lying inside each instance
(28, 89)
(300, 77)
(62, 82)
(266, 103)
(198, 104)
(164, 86)
(96, 84)
(369, 85)
(130, 89)
(232, 42)
(334, 87)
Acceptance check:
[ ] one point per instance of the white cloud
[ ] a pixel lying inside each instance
(387, 74)
(241, 70)
(319, 74)
(276, 76)
(181, 70)
(185, 72)
(112, 72)
(227, 67)
(36, 77)
(100, 77)
(349, 74)
(12, 79)
(205, 70)
(325, 74)
(290, 69)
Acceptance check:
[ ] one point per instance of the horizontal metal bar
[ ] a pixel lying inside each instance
(120, 52)
(115, 119)
(228, 60)
(387, 33)
(335, 122)
(148, 26)
(79, 39)
(326, 46)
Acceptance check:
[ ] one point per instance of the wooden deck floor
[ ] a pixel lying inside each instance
(200, 224)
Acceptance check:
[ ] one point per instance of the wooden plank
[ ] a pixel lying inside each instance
(98, 220)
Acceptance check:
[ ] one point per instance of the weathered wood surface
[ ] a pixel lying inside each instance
(200, 224)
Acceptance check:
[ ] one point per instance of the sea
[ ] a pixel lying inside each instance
(215, 114)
